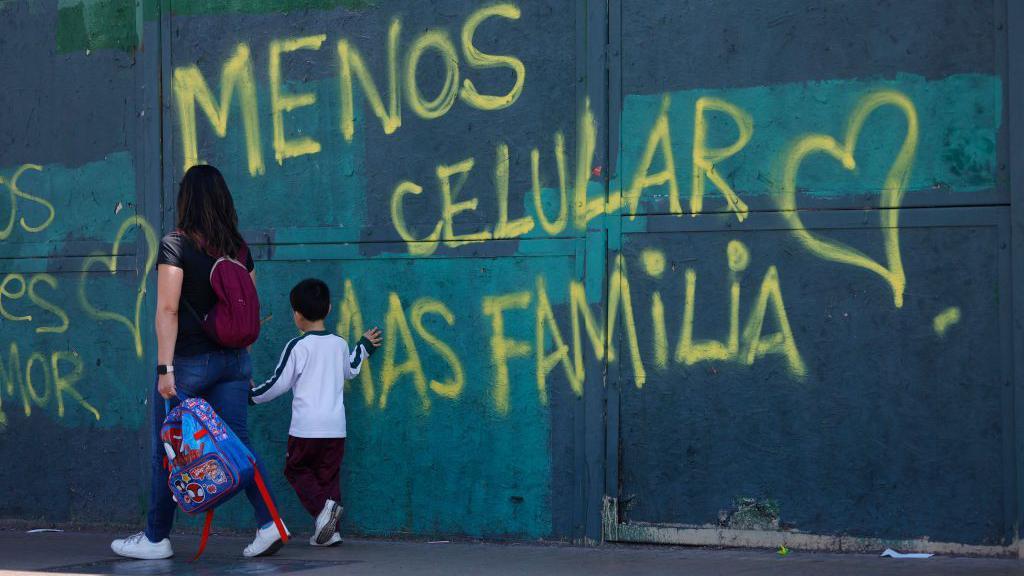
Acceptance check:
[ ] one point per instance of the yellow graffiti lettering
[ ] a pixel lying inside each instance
(5, 292)
(12, 377)
(546, 362)
(739, 258)
(653, 261)
(38, 399)
(689, 351)
(352, 61)
(585, 210)
(350, 326)
(705, 158)
(658, 140)
(424, 247)
(281, 103)
(477, 59)
(660, 334)
(41, 381)
(946, 320)
(506, 229)
(452, 387)
(450, 208)
(595, 331)
(11, 374)
(782, 342)
(504, 349)
(396, 324)
(65, 383)
(38, 300)
(111, 264)
(439, 41)
(893, 189)
(654, 264)
(619, 296)
(190, 89)
(556, 227)
(14, 193)
(738, 255)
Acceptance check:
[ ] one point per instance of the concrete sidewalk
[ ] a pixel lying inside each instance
(89, 553)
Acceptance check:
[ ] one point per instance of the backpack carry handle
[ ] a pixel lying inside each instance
(167, 403)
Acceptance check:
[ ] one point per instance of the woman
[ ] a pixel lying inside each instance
(189, 362)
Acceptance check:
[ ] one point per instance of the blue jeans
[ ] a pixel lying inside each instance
(222, 379)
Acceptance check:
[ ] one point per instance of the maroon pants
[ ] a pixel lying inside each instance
(311, 467)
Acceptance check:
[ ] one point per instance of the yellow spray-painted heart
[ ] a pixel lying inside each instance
(111, 264)
(892, 191)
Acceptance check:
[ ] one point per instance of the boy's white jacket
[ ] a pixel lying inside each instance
(314, 367)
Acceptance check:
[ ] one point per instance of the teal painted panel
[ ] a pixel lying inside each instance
(958, 119)
(45, 207)
(83, 310)
(319, 190)
(429, 463)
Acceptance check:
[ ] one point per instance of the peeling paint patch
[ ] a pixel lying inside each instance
(751, 514)
(85, 25)
(193, 7)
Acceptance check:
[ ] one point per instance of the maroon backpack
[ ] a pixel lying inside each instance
(234, 320)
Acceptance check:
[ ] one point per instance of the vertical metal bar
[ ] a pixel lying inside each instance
(592, 62)
(1014, 95)
(580, 511)
(614, 115)
(166, 118)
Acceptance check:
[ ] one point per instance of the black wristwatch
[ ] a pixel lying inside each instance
(162, 369)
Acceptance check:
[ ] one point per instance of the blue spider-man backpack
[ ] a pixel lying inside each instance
(207, 463)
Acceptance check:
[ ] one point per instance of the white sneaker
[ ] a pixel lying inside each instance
(139, 547)
(335, 539)
(327, 522)
(267, 542)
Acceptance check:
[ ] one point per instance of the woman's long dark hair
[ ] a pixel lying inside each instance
(206, 212)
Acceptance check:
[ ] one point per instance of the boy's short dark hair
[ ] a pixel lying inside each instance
(312, 299)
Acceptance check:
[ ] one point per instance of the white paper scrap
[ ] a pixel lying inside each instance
(894, 554)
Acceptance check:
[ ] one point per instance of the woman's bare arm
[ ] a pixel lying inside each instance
(168, 293)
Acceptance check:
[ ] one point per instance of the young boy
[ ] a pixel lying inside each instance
(314, 367)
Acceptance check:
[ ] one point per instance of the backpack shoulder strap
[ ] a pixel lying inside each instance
(258, 478)
(206, 534)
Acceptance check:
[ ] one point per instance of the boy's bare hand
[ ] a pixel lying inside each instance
(374, 336)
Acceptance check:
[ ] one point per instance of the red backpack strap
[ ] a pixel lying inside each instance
(206, 534)
(269, 502)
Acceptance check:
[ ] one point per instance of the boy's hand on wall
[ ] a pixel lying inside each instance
(374, 337)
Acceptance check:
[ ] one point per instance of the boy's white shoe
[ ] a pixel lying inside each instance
(139, 547)
(327, 522)
(335, 539)
(267, 542)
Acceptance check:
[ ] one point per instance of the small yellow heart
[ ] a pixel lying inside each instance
(892, 191)
(110, 262)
